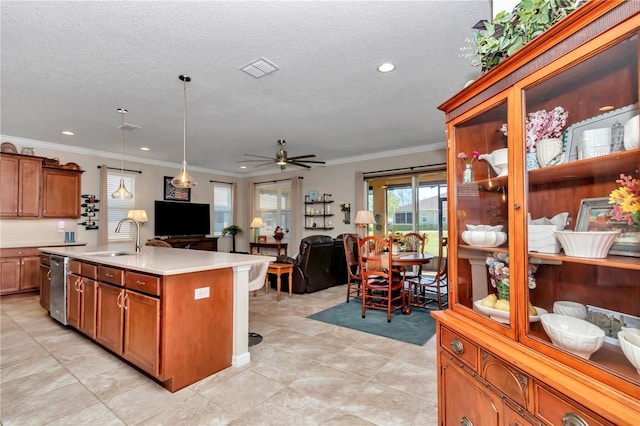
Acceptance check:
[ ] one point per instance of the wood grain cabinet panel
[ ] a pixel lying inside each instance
(142, 331)
(45, 284)
(61, 193)
(21, 181)
(20, 270)
(110, 317)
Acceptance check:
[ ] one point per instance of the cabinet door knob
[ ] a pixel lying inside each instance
(516, 206)
(464, 421)
(573, 419)
(457, 347)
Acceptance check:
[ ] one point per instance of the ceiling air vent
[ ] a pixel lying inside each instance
(260, 68)
(128, 127)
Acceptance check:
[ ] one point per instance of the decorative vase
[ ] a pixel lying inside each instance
(395, 248)
(532, 161)
(503, 290)
(548, 152)
(467, 174)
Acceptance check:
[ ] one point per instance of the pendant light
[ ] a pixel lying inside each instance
(122, 193)
(183, 180)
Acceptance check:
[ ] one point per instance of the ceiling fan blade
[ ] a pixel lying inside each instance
(294, 163)
(252, 161)
(309, 161)
(298, 157)
(263, 164)
(258, 156)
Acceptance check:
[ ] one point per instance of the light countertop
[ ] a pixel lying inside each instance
(21, 244)
(158, 260)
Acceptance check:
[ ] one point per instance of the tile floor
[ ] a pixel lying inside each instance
(304, 372)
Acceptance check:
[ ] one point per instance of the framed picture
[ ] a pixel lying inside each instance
(313, 196)
(175, 194)
(595, 215)
(262, 239)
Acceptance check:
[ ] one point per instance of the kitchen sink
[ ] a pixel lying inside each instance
(111, 253)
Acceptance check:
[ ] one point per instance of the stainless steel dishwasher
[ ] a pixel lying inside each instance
(58, 291)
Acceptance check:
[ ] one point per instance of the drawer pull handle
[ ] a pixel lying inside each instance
(108, 275)
(464, 421)
(49, 274)
(457, 346)
(141, 282)
(573, 419)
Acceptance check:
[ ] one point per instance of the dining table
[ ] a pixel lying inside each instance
(409, 259)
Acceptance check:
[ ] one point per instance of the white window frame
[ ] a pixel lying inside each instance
(272, 211)
(222, 203)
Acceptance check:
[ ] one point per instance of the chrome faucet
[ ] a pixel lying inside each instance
(138, 240)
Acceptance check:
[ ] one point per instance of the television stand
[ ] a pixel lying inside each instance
(194, 243)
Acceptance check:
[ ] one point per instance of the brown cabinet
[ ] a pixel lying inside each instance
(19, 270)
(61, 193)
(516, 363)
(194, 243)
(128, 322)
(82, 297)
(20, 179)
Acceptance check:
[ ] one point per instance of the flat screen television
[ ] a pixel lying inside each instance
(179, 219)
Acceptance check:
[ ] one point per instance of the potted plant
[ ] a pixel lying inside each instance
(509, 31)
(232, 230)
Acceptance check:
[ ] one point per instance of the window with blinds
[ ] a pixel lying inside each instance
(222, 206)
(273, 205)
(118, 209)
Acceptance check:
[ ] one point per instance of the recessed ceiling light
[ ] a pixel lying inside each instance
(67, 132)
(144, 148)
(386, 67)
(243, 167)
(606, 108)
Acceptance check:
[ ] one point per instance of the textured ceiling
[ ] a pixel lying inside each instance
(70, 65)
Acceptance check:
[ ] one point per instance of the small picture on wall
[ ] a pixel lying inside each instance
(175, 194)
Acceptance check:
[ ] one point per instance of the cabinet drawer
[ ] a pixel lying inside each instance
(142, 282)
(75, 266)
(88, 270)
(111, 275)
(505, 379)
(19, 252)
(45, 259)
(460, 347)
(552, 408)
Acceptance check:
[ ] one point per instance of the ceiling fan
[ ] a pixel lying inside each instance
(282, 159)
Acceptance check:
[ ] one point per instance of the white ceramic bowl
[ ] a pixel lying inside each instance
(631, 351)
(574, 335)
(484, 238)
(631, 140)
(593, 245)
(570, 309)
(632, 335)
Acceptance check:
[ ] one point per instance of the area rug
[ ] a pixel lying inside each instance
(416, 328)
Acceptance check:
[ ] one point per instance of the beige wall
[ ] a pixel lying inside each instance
(337, 180)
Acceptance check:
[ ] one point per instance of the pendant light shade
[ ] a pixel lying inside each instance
(122, 193)
(183, 180)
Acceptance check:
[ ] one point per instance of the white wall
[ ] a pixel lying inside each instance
(337, 180)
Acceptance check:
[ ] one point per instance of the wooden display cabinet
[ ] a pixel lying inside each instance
(586, 63)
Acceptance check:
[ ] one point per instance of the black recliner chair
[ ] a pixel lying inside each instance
(312, 267)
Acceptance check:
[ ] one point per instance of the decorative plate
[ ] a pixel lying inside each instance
(8, 147)
(503, 316)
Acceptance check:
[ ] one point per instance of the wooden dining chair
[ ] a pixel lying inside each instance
(426, 288)
(414, 242)
(382, 285)
(350, 242)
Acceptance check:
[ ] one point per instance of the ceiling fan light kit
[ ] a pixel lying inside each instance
(183, 180)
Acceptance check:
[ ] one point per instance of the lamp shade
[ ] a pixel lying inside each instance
(365, 217)
(138, 215)
(257, 222)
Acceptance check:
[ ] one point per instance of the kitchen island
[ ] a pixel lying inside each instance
(179, 315)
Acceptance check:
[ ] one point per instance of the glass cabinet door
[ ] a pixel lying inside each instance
(480, 173)
(581, 134)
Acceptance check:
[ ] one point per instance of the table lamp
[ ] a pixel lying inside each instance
(256, 224)
(138, 215)
(363, 219)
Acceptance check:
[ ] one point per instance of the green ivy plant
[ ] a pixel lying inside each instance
(509, 31)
